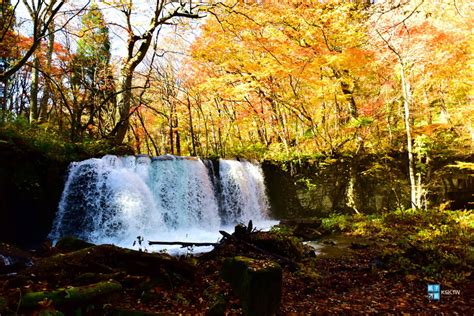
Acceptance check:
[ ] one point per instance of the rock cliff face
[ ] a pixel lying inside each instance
(367, 184)
(30, 188)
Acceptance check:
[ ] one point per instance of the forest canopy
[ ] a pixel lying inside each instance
(271, 79)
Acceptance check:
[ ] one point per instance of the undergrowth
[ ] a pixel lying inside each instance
(438, 243)
(20, 135)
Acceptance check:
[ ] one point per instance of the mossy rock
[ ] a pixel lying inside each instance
(69, 244)
(257, 283)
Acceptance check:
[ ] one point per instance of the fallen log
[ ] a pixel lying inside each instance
(183, 244)
(71, 295)
(111, 259)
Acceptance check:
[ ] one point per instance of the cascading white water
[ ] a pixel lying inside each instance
(107, 200)
(243, 195)
(184, 193)
(115, 199)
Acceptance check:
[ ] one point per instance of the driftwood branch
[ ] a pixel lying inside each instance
(183, 244)
(253, 247)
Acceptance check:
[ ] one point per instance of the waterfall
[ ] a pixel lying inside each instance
(115, 199)
(242, 191)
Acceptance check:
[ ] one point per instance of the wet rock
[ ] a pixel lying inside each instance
(257, 283)
(13, 259)
(11, 251)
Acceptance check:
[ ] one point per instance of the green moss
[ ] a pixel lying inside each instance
(257, 283)
(70, 295)
(337, 223)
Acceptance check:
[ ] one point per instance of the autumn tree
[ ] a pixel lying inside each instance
(8, 40)
(292, 73)
(47, 55)
(418, 48)
(43, 14)
(138, 43)
(32, 53)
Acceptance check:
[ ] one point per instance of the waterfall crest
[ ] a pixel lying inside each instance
(115, 199)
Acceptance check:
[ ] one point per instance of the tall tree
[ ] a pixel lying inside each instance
(138, 44)
(92, 75)
(7, 42)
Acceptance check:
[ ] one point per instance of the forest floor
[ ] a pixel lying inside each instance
(359, 279)
(353, 283)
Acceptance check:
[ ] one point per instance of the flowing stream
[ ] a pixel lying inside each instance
(167, 198)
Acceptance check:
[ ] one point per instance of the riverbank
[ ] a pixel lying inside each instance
(365, 278)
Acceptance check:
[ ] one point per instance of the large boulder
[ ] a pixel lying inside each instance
(257, 283)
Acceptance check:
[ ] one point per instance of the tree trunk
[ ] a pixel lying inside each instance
(34, 91)
(135, 55)
(170, 133)
(178, 143)
(124, 98)
(191, 128)
(348, 93)
(3, 98)
(43, 110)
(411, 161)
